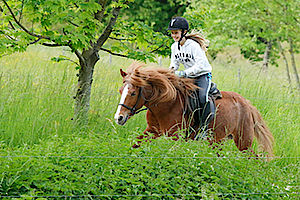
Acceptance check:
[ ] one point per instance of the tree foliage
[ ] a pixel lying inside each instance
(83, 26)
(76, 24)
(251, 25)
(156, 14)
(65, 23)
(127, 28)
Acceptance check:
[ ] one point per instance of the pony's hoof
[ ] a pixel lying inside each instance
(135, 146)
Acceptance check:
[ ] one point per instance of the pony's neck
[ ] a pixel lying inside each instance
(165, 108)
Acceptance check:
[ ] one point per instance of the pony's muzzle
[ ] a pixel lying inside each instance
(121, 120)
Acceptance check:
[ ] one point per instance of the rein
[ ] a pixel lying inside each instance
(133, 110)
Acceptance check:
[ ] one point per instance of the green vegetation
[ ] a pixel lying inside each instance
(43, 153)
(256, 27)
(134, 29)
(156, 14)
(84, 27)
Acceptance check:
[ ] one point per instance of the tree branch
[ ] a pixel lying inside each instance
(121, 39)
(66, 59)
(7, 36)
(52, 45)
(48, 44)
(112, 53)
(79, 56)
(108, 29)
(73, 23)
(157, 48)
(21, 13)
(72, 62)
(100, 13)
(22, 27)
(12, 26)
(35, 41)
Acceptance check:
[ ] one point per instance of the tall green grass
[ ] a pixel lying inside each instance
(36, 108)
(36, 97)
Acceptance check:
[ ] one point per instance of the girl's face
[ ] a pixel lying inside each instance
(176, 34)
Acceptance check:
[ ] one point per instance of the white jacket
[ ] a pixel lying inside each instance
(193, 58)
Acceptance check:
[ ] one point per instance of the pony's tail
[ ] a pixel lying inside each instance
(262, 132)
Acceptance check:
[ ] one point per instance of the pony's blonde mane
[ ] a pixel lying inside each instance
(164, 83)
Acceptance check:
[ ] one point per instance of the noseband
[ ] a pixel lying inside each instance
(133, 110)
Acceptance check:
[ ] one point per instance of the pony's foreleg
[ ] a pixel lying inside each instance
(148, 134)
(140, 138)
(151, 132)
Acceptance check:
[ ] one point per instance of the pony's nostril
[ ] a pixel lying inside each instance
(120, 118)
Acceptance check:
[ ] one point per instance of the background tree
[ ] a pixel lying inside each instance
(288, 30)
(87, 27)
(156, 14)
(237, 23)
(256, 27)
(83, 26)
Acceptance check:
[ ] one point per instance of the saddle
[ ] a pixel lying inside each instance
(195, 111)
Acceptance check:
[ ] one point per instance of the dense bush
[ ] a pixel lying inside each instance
(90, 167)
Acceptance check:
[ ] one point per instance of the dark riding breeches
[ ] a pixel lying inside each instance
(204, 82)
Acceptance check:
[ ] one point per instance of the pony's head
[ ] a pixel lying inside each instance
(132, 99)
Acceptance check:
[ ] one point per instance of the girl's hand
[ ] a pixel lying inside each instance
(181, 74)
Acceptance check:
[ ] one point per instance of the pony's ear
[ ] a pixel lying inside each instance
(123, 74)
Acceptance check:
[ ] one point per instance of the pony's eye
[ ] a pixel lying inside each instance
(133, 94)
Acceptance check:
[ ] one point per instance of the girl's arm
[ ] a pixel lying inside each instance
(174, 65)
(201, 63)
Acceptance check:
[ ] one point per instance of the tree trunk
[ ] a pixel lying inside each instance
(87, 60)
(85, 79)
(286, 63)
(267, 56)
(291, 50)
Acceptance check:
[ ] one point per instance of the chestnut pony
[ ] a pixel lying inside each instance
(166, 97)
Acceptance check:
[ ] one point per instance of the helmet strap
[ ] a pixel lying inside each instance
(182, 36)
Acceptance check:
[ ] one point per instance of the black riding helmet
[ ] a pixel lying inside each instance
(179, 23)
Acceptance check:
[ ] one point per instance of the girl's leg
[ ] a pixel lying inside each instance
(204, 82)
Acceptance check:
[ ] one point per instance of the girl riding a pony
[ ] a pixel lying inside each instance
(167, 97)
(189, 50)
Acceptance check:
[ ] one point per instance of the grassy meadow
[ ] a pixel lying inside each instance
(43, 154)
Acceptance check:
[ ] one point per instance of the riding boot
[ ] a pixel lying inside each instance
(206, 116)
(195, 125)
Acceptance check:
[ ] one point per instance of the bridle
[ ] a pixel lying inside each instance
(133, 110)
